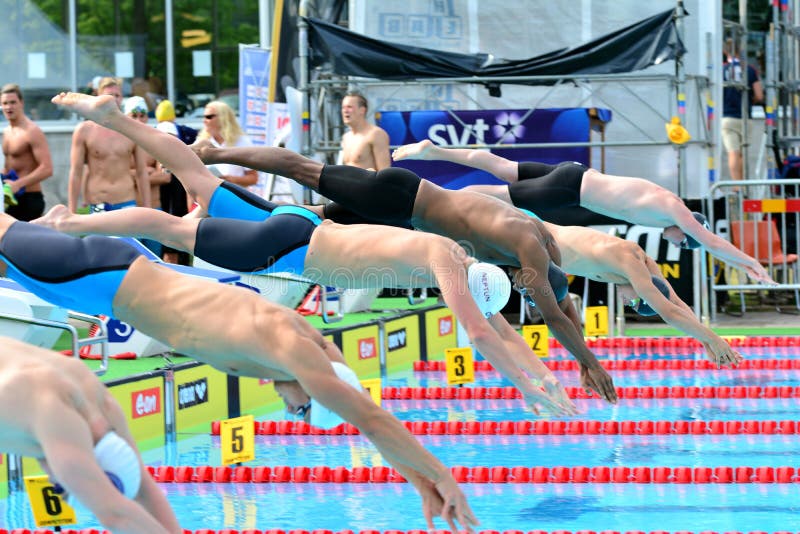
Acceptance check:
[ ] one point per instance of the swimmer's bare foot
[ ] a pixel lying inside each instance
(204, 150)
(54, 218)
(419, 150)
(95, 108)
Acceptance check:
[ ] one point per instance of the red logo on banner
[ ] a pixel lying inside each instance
(446, 325)
(145, 402)
(367, 348)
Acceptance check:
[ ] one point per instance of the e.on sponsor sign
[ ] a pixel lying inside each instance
(446, 325)
(367, 348)
(145, 402)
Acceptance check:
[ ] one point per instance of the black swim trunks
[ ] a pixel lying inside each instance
(386, 196)
(542, 187)
(277, 244)
(29, 206)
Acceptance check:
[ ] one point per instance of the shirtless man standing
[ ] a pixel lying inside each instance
(27, 156)
(364, 145)
(539, 188)
(108, 156)
(57, 411)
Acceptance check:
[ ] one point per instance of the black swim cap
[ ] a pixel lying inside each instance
(644, 308)
(688, 241)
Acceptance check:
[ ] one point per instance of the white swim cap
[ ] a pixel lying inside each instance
(489, 286)
(135, 104)
(321, 416)
(120, 463)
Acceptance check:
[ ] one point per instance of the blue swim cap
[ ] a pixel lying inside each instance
(688, 241)
(643, 307)
(558, 281)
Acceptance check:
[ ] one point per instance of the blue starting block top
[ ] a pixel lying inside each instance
(220, 276)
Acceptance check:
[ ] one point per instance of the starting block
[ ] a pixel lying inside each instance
(19, 303)
(123, 339)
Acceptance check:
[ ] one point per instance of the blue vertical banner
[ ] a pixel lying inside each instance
(254, 67)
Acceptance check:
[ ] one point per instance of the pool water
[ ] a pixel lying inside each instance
(507, 506)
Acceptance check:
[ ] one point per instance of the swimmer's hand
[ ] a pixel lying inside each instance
(597, 379)
(446, 499)
(759, 274)
(722, 354)
(553, 400)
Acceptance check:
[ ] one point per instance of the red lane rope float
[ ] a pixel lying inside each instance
(574, 392)
(661, 343)
(372, 531)
(543, 427)
(634, 365)
(482, 474)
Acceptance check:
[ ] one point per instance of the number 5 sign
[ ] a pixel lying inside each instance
(49, 509)
(237, 440)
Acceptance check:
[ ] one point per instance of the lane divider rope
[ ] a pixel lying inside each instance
(634, 365)
(574, 392)
(661, 343)
(542, 427)
(388, 531)
(482, 474)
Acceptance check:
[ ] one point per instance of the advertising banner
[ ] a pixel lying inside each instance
(440, 332)
(402, 342)
(142, 402)
(361, 348)
(489, 127)
(201, 396)
(254, 65)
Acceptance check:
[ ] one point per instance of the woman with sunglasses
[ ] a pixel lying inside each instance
(222, 129)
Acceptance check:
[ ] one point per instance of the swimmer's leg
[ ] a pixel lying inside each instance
(175, 232)
(273, 160)
(166, 148)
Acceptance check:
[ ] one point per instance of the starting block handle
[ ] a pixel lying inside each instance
(324, 294)
(423, 295)
(101, 338)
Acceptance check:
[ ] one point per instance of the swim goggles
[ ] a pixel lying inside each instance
(301, 411)
(524, 292)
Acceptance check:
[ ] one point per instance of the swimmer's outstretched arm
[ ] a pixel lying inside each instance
(388, 435)
(175, 232)
(722, 248)
(538, 288)
(167, 149)
(68, 449)
(554, 398)
(484, 160)
(674, 311)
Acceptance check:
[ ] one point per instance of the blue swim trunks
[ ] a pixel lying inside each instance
(231, 201)
(107, 206)
(82, 275)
